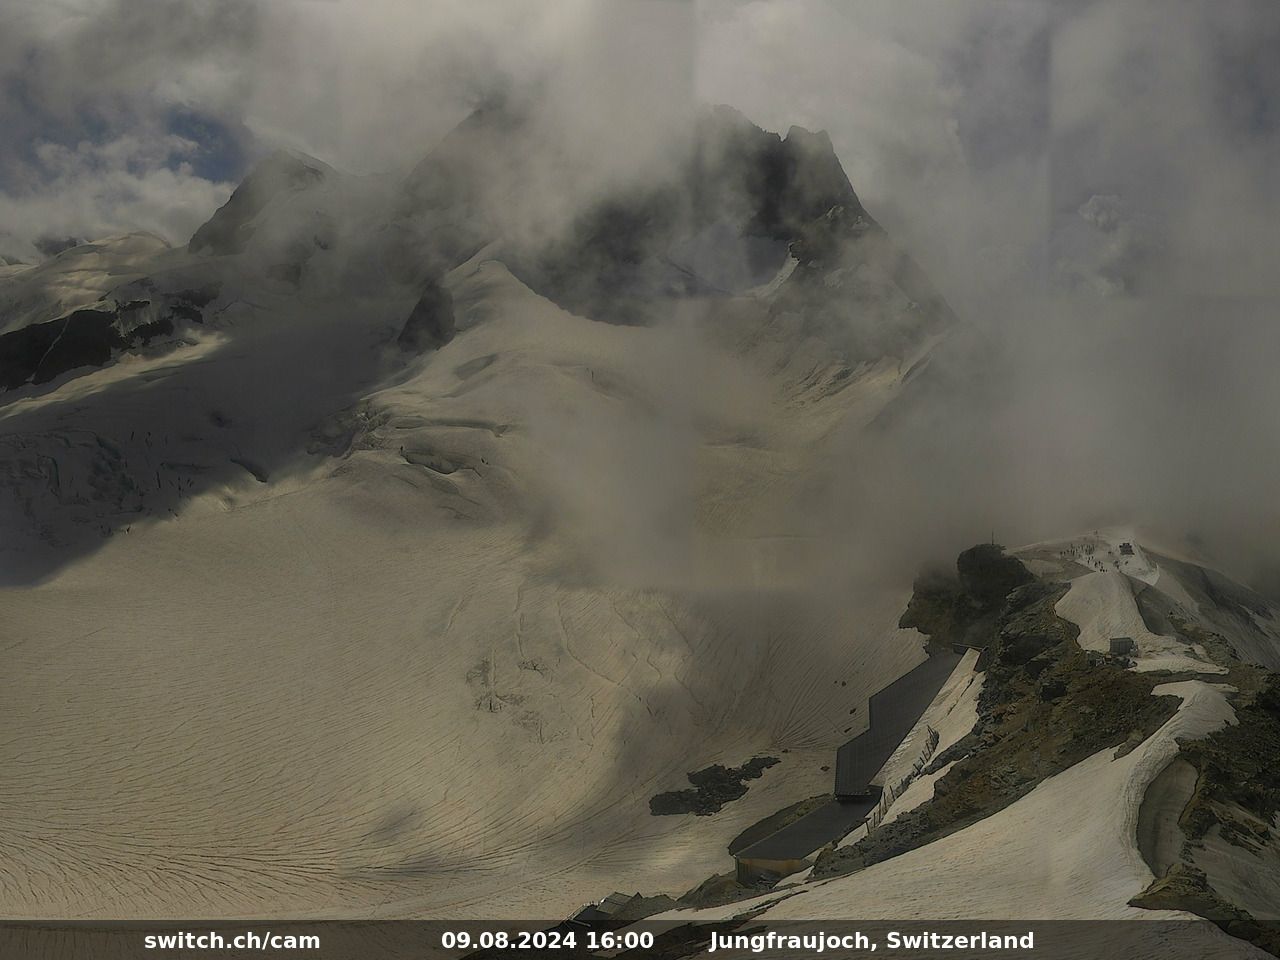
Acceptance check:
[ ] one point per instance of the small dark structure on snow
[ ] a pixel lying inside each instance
(1122, 646)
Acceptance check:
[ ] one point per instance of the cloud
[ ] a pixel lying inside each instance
(1106, 251)
(366, 86)
(95, 190)
(973, 129)
(89, 93)
(937, 111)
(1127, 147)
(1092, 186)
(1174, 110)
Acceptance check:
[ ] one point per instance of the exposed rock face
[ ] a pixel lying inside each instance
(776, 821)
(1186, 888)
(469, 154)
(988, 575)
(52, 246)
(781, 184)
(232, 224)
(941, 610)
(1232, 610)
(1044, 707)
(963, 608)
(39, 352)
(738, 202)
(713, 788)
(1238, 767)
(75, 279)
(42, 351)
(430, 325)
(623, 258)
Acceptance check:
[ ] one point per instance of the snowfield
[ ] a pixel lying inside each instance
(366, 686)
(1102, 606)
(1067, 850)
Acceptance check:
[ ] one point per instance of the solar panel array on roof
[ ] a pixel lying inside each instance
(891, 713)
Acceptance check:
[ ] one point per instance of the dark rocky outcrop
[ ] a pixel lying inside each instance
(777, 185)
(431, 323)
(1237, 792)
(50, 246)
(988, 575)
(1044, 706)
(1239, 765)
(737, 199)
(626, 256)
(714, 786)
(449, 205)
(1231, 611)
(962, 608)
(91, 337)
(231, 226)
(41, 351)
(1185, 887)
(942, 611)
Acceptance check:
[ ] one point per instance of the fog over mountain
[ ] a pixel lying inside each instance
(1063, 172)
(465, 459)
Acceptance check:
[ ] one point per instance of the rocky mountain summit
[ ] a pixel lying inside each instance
(386, 506)
(741, 212)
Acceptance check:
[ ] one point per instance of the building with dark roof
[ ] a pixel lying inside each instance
(893, 712)
(1122, 646)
